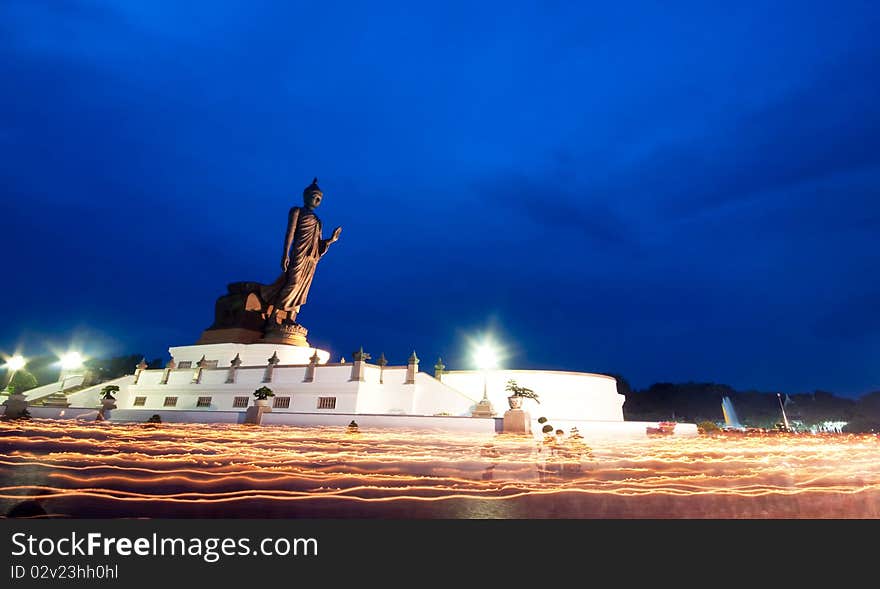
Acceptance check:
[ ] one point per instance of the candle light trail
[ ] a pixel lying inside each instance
(84, 469)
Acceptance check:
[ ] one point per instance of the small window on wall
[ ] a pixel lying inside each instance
(281, 403)
(185, 365)
(170, 402)
(210, 364)
(326, 402)
(240, 402)
(203, 402)
(139, 401)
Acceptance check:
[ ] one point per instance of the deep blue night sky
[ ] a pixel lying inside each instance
(669, 191)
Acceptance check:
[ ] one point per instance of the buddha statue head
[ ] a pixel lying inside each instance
(312, 195)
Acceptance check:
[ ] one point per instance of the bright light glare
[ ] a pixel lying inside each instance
(486, 357)
(15, 363)
(71, 360)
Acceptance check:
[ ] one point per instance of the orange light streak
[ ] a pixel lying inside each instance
(133, 470)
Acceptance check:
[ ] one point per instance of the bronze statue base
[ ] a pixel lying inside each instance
(238, 316)
(230, 335)
(291, 334)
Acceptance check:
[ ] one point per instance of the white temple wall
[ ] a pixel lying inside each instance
(214, 376)
(434, 397)
(332, 374)
(180, 377)
(391, 375)
(91, 396)
(591, 430)
(251, 377)
(376, 398)
(149, 377)
(367, 421)
(561, 394)
(142, 415)
(371, 373)
(78, 413)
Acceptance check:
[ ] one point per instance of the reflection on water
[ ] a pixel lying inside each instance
(196, 470)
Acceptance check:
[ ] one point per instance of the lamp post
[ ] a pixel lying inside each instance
(13, 365)
(69, 361)
(486, 358)
(784, 418)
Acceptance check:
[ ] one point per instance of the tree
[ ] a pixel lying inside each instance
(22, 381)
(517, 391)
(110, 368)
(862, 425)
(697, 402)
(43, 368)
(623, 386)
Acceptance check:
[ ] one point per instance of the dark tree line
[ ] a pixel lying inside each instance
(696, 402)
(109, 368)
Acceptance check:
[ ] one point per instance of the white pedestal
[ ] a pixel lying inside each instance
(249, 354)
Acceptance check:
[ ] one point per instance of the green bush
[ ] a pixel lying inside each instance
(22, 381)
(263, 393)
(708, 427)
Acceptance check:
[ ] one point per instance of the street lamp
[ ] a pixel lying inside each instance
(69, 361)
(13, 365)
(486, 358)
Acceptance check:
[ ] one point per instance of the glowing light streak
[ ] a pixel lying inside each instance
(83, 468)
